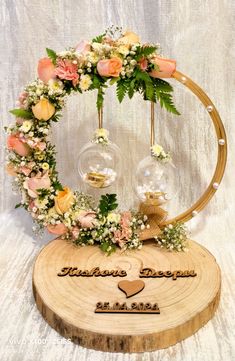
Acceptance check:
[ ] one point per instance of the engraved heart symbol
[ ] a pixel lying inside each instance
(131, 288)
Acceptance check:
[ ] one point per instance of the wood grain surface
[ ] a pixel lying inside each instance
(68, 302)
(200, 36)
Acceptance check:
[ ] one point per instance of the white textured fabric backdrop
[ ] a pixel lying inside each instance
(199, 35)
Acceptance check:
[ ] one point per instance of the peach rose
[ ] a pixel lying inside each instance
(166, 67)
(64, 200)
(87, 219)
(37, 182)
(83, 47)
(129, 38)
(17, 145)
(43, 110)
(11, 170)
(58, 229)
(46, 70)
(143, 64)
(109, 67)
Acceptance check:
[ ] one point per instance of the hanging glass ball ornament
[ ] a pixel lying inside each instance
(154, 177)
(99, 161)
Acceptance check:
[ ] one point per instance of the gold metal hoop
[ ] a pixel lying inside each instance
(221, 156)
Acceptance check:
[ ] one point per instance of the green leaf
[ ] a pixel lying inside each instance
(108, 202)
(121, 89)
(56, 117)
(165, 100)
(52, 55)
(22, 113)
(58, 186)
(114, 80)
(18, 205)
(108, 247)
(142, 75)
(42, 193)
(162, 85)
(98, 39)
(131, 89)
(100, 98)
(149, 91)
(96, 82)
(144, 51)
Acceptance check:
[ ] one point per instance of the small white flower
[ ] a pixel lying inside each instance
(113, 218)
(85, 82)
(41, 203)
(101, 133)
(26, 126)
(157, 149)
(39, 92)
(55, 86)
(122, 49)
(133, 62)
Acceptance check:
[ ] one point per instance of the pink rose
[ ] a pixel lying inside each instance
(57, 229)
(109, 67)
(37, 182)
(67, 70)
(20, 121)
(46, 70)
(166, 68)
(83, 47)
(143, 64)
(25, 170)
(39, 145)
(17, 145)
(75, 232)
(22, 101)
(121, 236)
(87, 219)
(125, 218)
(31, 205)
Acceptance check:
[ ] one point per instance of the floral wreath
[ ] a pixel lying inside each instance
(111, 58)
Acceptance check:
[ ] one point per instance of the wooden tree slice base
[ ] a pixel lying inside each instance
(68, 303)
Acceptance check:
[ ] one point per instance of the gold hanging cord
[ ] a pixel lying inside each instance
(100, 117)
(152, 126)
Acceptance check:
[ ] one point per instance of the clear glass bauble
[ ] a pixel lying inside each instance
(99, 165)
(155, 180)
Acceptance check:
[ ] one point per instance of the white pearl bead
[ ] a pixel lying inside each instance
(183, 79)
(215, 185)
(194, 213)
(209, 108)
(221, 141)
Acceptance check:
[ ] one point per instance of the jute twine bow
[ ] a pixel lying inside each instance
(156, 215)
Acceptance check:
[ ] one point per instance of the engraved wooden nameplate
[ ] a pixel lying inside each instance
(128, 302)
